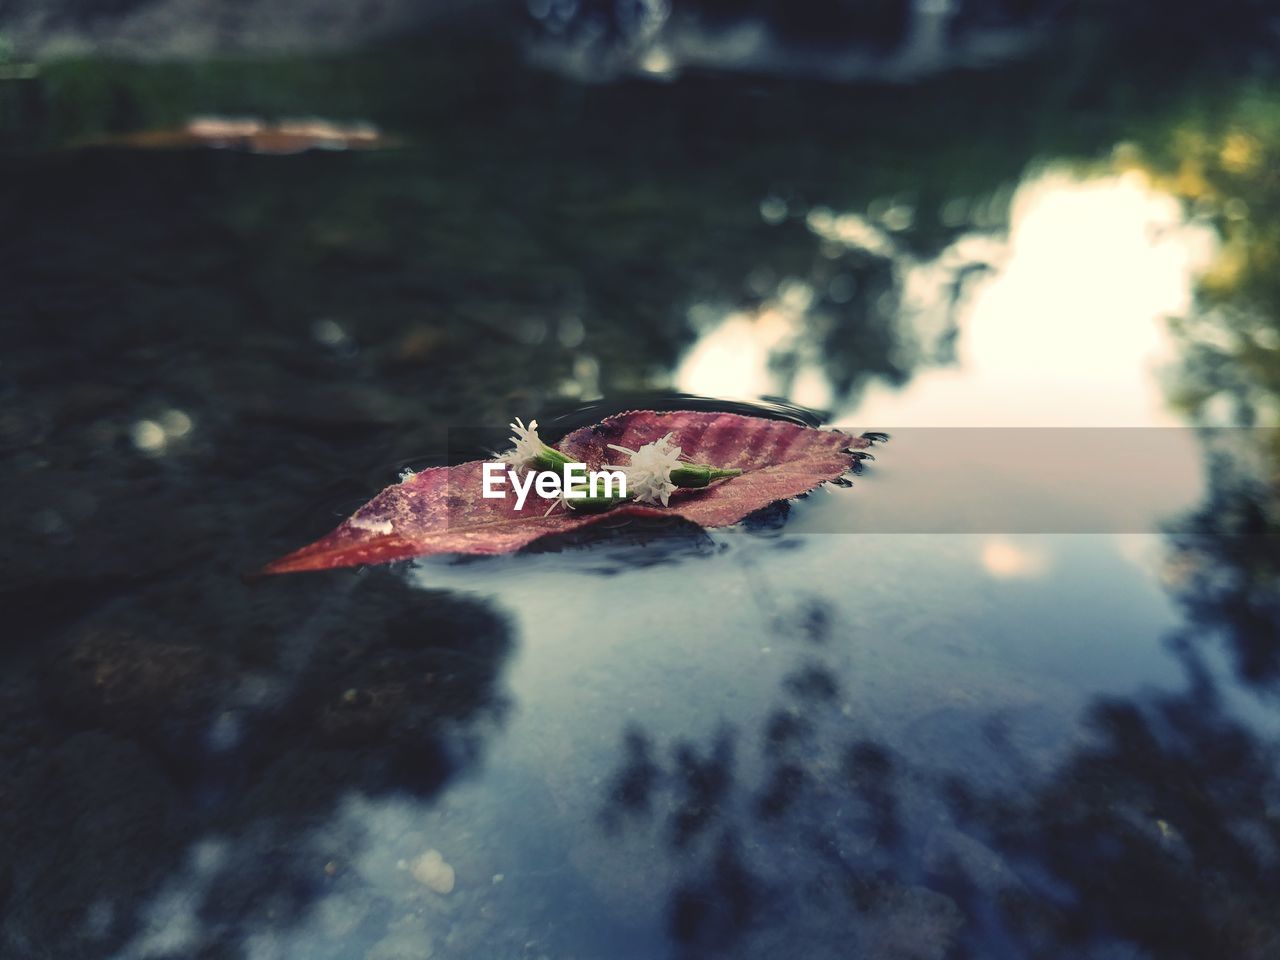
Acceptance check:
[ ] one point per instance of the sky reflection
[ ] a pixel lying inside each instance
(1062, 322)
(1072, 329)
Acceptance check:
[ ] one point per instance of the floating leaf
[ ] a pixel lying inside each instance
(256, 136)
(441, 510)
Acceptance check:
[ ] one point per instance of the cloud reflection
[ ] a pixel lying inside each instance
(1060, 323)
(1071, 330)
(1008, 559)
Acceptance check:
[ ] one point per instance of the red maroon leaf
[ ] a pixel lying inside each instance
(441, 510)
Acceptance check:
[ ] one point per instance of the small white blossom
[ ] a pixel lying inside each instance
(649, 472)
(560, 501)
(568, 495)
(528, 445)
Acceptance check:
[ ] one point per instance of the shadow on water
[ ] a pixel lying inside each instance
(186, 749)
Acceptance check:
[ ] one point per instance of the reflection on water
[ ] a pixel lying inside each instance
(795, 736)
(1072, 329)
(257, 136)
(887, 41)
(1088, 260)
(176, 762)
(659, 741)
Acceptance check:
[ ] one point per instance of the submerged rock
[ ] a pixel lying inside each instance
(431, 871)
(134, 685)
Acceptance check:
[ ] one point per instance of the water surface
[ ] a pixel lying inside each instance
(850, 728)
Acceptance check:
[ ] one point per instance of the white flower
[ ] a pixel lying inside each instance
(562, 500)
(528, 445)
(649, 472)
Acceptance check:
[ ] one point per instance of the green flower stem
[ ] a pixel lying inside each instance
(550, 459)
(700, 475)
(592, 504)
(691, 475)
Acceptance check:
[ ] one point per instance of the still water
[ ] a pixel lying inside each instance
(852, 727)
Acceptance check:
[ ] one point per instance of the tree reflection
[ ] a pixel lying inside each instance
(1227, 569)
(1226, 566)
(1156, 835)
(797, 848)
(1161, 834)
